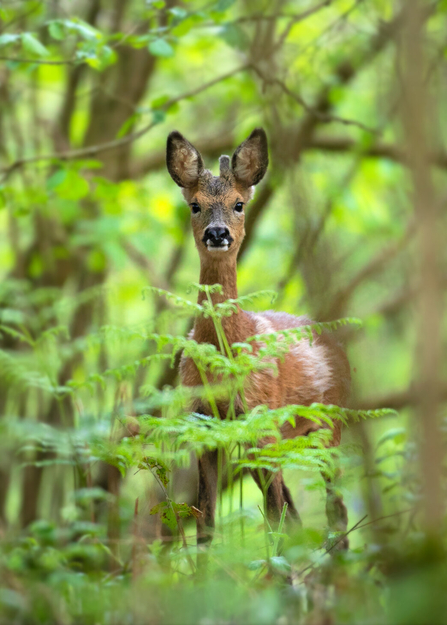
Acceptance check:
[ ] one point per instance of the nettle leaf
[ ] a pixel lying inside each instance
(280, 565)
(160, 47)
(160, 468)
(33, 45)
(168, 511)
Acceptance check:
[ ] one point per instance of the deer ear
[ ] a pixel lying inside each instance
(250, 160)
(183, 161)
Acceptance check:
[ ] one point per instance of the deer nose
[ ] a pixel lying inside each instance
(217, 235)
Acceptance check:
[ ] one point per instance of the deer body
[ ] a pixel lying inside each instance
(307, 374)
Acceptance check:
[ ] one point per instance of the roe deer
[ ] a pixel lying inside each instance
(308, 373)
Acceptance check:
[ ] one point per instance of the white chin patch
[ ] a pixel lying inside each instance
(213, 248)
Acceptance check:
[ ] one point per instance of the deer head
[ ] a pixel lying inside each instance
(217, 202)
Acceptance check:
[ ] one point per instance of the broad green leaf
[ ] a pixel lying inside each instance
(160, 101)
(8, 38)
(56, 30)
(72, 186)
(81, 28)
(33, 45)
(56, 179)
(235, 36)
(178, 12)
(160, 47)
(397, 435)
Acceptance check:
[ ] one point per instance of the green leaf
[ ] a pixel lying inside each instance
(128, 124)
(158, 466)
(8, 38)
(160, 47)
(160, 101)
(72, 186)
(280, 564)
(84, 30)
(33, 45)
(56, 179)
(158, 116)
(56, 30)
(255, 565)
(178, 12)
(235, 36)
(167, 511)
(223, 5)
(397, 435)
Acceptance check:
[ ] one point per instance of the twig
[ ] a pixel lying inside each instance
(387, 516)
(40, 61)
(324, 118)
(342, 537)
(378, 150)
(258, 17)
(397, 401)
(299, 18)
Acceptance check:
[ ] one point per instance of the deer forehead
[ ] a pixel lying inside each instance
(212, 191)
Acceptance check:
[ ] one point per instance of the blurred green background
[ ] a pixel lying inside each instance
(352, 103)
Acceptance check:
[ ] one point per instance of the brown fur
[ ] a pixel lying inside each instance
(317, 373)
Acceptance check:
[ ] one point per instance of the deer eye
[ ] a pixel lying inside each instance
(239, 207)
(195, 208)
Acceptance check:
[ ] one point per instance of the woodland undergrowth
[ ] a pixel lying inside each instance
(109, 556)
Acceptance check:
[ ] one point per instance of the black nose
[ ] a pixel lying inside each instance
(217, 235)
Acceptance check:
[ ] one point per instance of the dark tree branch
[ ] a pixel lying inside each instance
(324, 118)
(259, 17)
(396, 401)
(378, 150)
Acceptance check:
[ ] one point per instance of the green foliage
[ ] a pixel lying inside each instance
(98, 440)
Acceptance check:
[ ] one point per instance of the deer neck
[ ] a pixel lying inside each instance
(221, 271)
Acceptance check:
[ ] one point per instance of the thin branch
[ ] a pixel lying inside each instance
(378, 150)
(387, 516)
(259, 17)
(324, 118)
(298, 18)
(357, 526)
(108, 145)
(397, 401)
(41, 61)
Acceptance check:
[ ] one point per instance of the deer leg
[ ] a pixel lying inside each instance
(207, 496)
(336, 512)
(276, 494)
